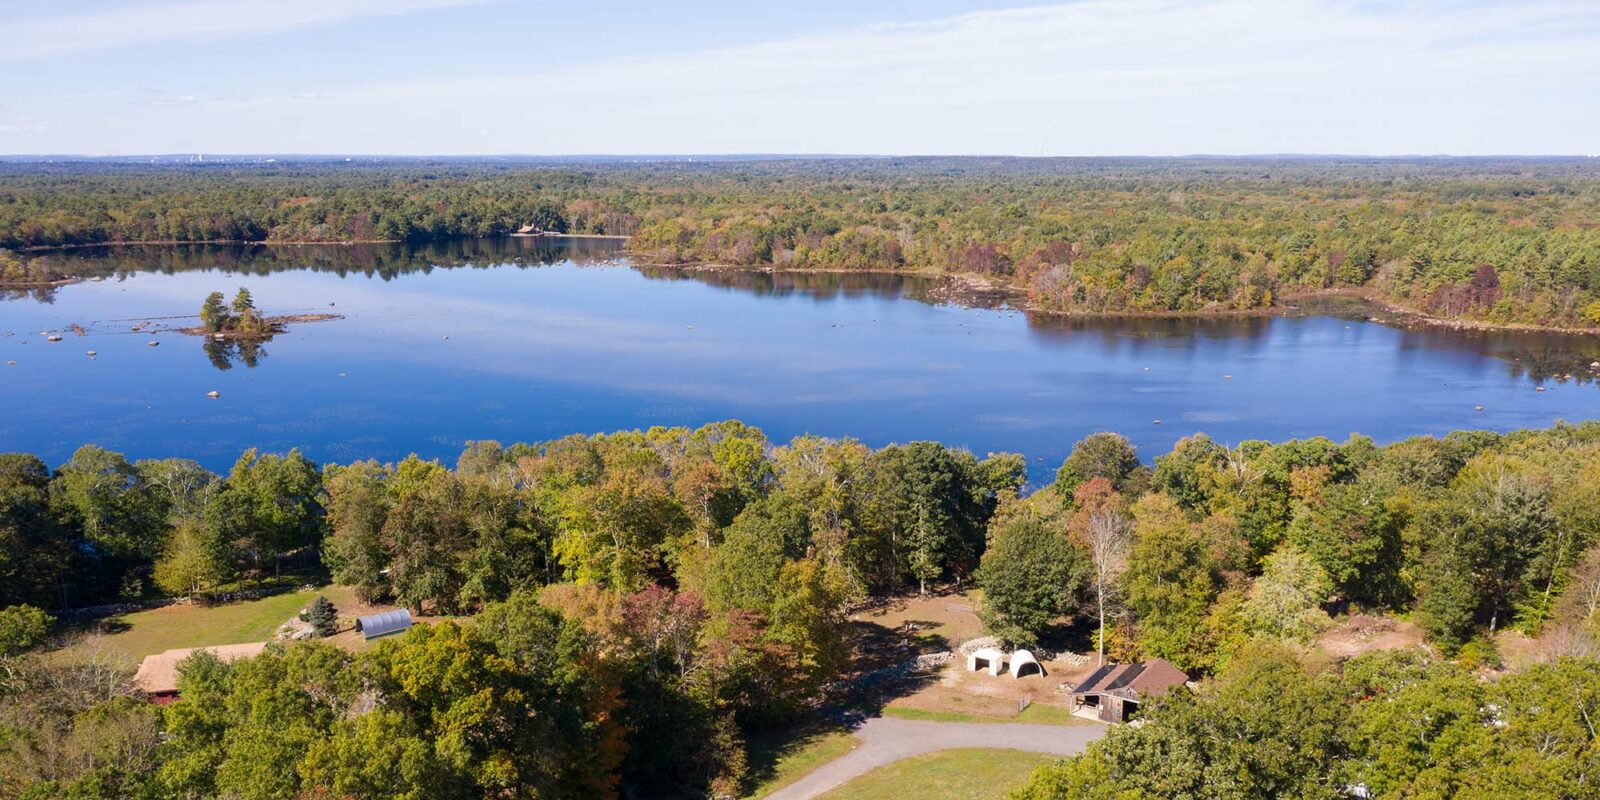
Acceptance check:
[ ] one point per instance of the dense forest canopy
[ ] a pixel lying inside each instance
(1494, 239)
(696, 581)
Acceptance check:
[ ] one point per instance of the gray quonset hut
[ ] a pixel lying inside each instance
(374, 625)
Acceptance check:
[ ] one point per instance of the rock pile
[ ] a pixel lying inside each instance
(295, 629)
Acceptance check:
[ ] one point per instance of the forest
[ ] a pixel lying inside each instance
(605, 589)
(1499, 241)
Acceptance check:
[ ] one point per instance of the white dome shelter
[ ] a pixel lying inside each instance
(992, 660)
(1022, 659)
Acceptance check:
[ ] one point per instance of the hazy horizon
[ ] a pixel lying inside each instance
(180, 157)
(1095, 78)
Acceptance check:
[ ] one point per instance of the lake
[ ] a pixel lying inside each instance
(523, 340)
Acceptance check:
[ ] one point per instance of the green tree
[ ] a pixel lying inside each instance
(22, 628)
(322, 615)
(1286, 600)
(1101, 455)
(1264, 728)
(1187, 473)
(192, 559)
(425, 533)
(182, 483)
(744, 568)
(122, 521)
(268, 505)
(1171, 581)
(214, 314)
(1418, 728)
(381, 754)
(359, 499)
(104, 494)
(35, 552)
(1031, 575)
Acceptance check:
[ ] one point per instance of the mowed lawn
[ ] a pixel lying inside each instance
(1035, 714)
(966, 774)
(779, 759)
(144, 633)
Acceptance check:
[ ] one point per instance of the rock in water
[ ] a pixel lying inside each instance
(213, 394)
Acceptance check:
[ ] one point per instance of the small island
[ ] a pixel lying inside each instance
(241, 320)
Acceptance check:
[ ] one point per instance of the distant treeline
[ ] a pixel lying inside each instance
(1500, 240)
(646, 601)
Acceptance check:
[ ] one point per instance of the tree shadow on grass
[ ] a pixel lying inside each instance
(766, 751)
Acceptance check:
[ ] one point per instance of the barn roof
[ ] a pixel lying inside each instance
(158, 674)
(1133, 681)
(384, 623)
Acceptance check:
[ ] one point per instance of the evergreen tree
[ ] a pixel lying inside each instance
(214, 314)
(323, 616)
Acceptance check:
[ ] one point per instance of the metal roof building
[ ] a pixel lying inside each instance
(374, 625)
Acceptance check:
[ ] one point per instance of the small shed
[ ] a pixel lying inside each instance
(1113, 692)
(989, 658)
(1023, 659)
(158, 674)
(374, 625)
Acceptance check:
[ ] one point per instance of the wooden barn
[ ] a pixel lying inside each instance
(1113, 692)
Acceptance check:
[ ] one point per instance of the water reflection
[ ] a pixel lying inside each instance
(522, 340)
(1542, 357)
(381, 260)
(224, 353)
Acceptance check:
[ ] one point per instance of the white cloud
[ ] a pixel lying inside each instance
(20, 125)
(137, 25)
(1087, 78)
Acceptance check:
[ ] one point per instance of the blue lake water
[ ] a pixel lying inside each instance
(519, 341)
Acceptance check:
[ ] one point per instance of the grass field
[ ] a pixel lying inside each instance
(780, 759)
(1036, 714)
(145, 633)
(965, 774)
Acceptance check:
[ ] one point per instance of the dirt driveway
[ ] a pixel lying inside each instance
(886, 740)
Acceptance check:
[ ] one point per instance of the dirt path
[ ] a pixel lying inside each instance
(886, 740)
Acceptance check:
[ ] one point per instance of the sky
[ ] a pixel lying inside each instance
(630, 77)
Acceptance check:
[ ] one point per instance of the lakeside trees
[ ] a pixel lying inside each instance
(1474, 531)
(238, 317)
(1390, 724)
(695, 581)
(1501, 240)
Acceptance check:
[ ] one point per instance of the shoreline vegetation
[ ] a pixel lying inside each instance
(271, 326)
(978, 291)
(1501, 242)
(287, 243)
(241, 321)
(584, 596)
(964, 289)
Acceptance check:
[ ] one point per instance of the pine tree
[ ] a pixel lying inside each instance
(323, 616)
(214, 313)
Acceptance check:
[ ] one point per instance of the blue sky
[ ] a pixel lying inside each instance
(1095, 77)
